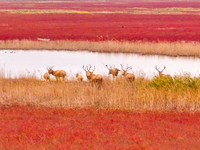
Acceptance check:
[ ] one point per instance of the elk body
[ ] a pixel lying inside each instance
(47, 76)
(93, 78)
(79, 77)
(58, 73)
(129, 76)
(161, 73)
(113, 71)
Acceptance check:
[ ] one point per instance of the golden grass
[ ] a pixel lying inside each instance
(43, 11)
(160, 48)
(134, 10)
(158, 94)
(162, 11)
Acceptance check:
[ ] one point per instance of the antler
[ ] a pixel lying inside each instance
(164, 68)
(48, 68)
(93, 69)
(84, 68)
(127, 68)
(87, 68)
(122, 67)
(111, 67)
(157, 68)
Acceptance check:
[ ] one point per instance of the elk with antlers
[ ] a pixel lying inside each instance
(161, 72)
(129, 76)
(91, 76)
(58, 73)
(113, 71)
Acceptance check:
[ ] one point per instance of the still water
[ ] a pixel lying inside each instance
(34, 62)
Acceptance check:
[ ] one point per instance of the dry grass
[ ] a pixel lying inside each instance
(159, 94)
(43, 11)
(160, 48)
(134, 10)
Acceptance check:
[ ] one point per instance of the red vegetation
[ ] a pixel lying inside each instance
(31, 128)
(98, 5)
(98, 26)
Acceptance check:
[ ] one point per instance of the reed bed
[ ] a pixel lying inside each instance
(179, 94)
(146, 48)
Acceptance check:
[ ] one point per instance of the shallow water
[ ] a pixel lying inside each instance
(34, 62)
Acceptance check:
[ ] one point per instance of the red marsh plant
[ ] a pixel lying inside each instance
(48, 128)
(100, 27)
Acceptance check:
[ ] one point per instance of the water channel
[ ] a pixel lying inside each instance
(34, 62)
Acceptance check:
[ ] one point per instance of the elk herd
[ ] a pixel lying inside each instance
(97, 78)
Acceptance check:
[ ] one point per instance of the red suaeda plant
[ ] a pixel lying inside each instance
(100, 27)
(28, 127)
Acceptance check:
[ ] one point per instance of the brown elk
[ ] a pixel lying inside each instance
(47, 76)
(91, 76)
(58, 73)
(129, 76)
(161, 72)
(113, 71)
(79, 77)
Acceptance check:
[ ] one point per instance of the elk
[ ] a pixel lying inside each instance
(58, 73)
(93, 78)
(47, 76)
(161, 72)
(113, 71)
(79, 77)
(129, 76)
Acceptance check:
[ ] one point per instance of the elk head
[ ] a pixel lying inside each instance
(50, 70)
(88, 71)
(125, 69)
(110, 68)
(160, 71)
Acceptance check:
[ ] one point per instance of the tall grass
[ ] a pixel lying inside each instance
(160, 48)
(182, 93)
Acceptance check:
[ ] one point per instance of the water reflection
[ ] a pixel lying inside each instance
(25, 62)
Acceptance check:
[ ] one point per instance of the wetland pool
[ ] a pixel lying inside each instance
(15, 63)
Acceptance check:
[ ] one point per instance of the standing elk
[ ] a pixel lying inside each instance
(93, 78)
(113, 71)
(58, 73)
(79, 77)
(161, 73)
(129, 76)
(47, 76)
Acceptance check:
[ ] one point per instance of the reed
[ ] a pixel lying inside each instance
(147, 48)
(181, 93)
